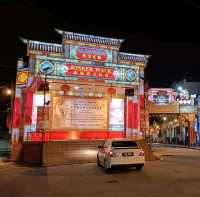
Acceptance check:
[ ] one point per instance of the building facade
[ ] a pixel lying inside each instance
(171, 117)
(84, 88)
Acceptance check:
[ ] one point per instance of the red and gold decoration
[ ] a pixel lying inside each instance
(22, 77)
(16, 113)
(89, 71)
(111, 91)
(94, 53)
(65, 88)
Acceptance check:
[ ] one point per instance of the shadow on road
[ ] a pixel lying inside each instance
(36, 171)
(120, 170)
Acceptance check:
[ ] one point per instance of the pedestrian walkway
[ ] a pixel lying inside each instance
(173, 145)
(4, 164)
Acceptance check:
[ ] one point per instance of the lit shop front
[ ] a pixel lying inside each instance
(82, 89)
(171, 117)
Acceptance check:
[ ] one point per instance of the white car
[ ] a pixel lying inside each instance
(120, 152)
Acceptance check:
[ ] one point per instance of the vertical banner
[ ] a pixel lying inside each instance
(133, 116)
(16, 113)
(28, 113)
(116, 114)
(28, 107)
(16, 116)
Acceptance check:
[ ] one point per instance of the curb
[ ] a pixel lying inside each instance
(171, 145)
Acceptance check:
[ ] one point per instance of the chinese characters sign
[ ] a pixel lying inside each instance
(90, 71)
(22, 77)
(90, 53)
(79, 113)
(74, 69)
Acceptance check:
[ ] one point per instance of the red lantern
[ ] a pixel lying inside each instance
(111, 91)
(65, 88)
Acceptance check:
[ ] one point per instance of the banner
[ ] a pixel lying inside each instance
(116, 115)
(90, 53)
(79, 113)
(90, 71)
(72, 69)
(22, 77)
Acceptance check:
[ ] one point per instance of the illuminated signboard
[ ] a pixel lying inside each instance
(89, 71)
(73, 69)
(116, 115)
(90, 53)
(161, 99)
(22, 77)
(46, 67)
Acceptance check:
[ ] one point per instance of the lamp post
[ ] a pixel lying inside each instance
(46, 68)
(12, 92)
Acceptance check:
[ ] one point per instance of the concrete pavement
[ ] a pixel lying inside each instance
(177, 175)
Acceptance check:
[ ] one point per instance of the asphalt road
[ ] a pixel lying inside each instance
(176, 174)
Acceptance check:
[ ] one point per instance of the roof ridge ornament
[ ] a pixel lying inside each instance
(59, 31)
(25, 41)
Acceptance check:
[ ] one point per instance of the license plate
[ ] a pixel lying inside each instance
(127, 154)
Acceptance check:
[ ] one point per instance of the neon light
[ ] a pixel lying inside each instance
(66, 135)
(93, 53)
(90, 53)
(92, 71)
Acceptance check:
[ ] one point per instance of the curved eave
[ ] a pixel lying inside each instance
(90, 38)
(33, 45)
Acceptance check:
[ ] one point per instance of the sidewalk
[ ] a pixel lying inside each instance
(4, 164)
(162, 150)
(173, 145)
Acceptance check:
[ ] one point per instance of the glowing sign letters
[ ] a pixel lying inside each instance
(89, 71)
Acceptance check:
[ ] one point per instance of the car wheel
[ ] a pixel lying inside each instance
(98, 162)
(139, 167)
(107, 169)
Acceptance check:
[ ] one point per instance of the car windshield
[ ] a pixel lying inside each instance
(124, 144)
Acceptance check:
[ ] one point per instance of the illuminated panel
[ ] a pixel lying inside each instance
(65, 135)
(116, 115)
(79, 113)
(89, 71)
(72, 69)
(22, 77)
(161, 99)
(161, 96)
(39, 99)
(90, 53)
(34, 113)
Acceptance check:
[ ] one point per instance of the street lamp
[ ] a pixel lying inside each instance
(180, 88)
(9, 92)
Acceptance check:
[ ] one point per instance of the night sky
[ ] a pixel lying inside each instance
(169, 32)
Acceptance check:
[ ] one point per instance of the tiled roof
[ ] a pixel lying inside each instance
(90, 38)
(43, 46)
(132, 57)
